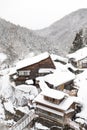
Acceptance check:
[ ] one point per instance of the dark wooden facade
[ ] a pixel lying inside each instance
(32, 71)
(82, 63)
(53, 100)
(68, 86)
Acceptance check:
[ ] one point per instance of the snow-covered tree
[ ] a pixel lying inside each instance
(78, 41)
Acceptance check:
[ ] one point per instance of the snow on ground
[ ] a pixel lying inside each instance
(5, 87)
(9, 106)
(42, 84)
(39, 126)
(2, 57)
(81, 82)
(23, 109)
(23, 93)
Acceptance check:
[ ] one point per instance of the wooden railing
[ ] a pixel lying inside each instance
(23, 122)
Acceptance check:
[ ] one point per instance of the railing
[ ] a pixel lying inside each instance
(23, 122)
(73, 124)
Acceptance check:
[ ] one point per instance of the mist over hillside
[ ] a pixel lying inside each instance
(17, 42)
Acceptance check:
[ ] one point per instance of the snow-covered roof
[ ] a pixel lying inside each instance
(27, 89)
(69, 65)
(79, 54)
(24, 88)
(23, 109)
(60, 58)
(33, 60)
(46, 70)
(29, 81)
(9, 71)
(12, 71)
(64, 105)
(59, 77)
(52, 93)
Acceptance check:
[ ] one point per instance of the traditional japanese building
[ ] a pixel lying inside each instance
(60, 79)
(79, 58)
(30, 68)
(55, 105)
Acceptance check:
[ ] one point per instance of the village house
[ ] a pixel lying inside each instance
(55, 105)
(79, 58)
(60, 80)
(31, 68)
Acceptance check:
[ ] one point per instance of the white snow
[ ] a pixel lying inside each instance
(24, 88)
(69, 65)
(23, 93)
(79, 54)
(2, 57)
(64, 105)
(60, 58)
(5, 87)
(46, 70)
(60, 66)
(81, 82)
(59, 77)
(33, 60)
(12, 71)
(31, 89)
(29, 81)
(42, 84)
(9, 123)
(9, 107)
(79, 120)
(40, 126)
(23, 109)
(54, 93)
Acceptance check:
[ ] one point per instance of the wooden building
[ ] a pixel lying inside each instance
(55, 105)
(60, 79)
(29, 68)
(79, 58)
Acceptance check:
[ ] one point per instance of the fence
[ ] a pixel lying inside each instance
(23, 122)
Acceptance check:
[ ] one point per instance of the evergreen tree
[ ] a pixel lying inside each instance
(78, 41)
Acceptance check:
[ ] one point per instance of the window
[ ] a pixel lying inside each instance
(84, 65)
(24, 73)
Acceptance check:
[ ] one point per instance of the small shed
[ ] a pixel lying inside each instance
(79, 58)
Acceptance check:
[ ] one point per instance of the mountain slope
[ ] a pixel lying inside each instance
(62, 32)
(17, 42)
